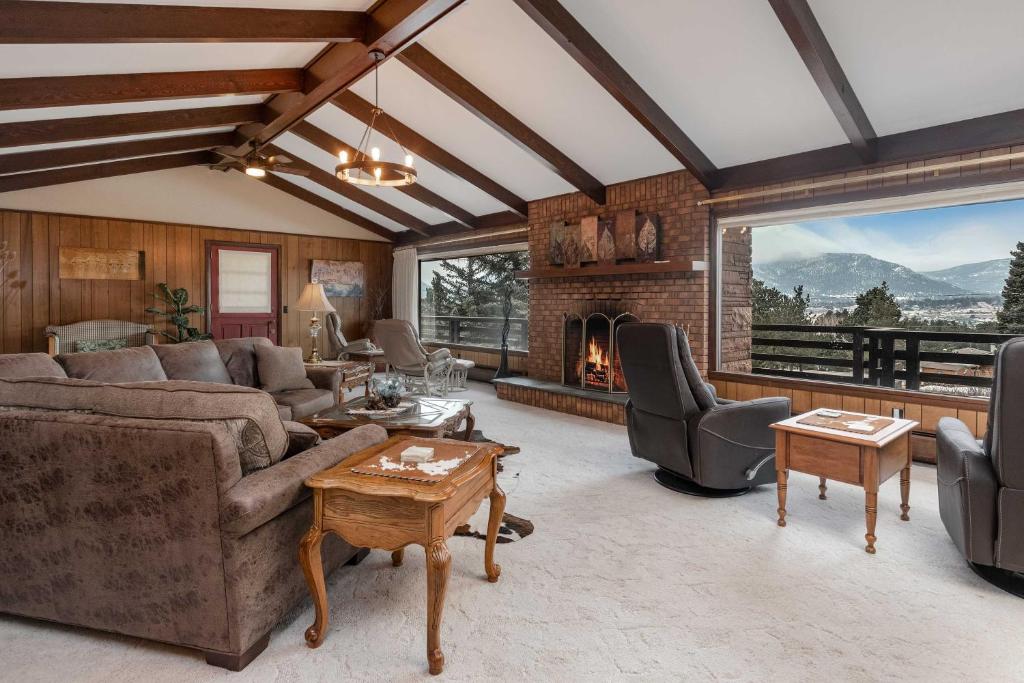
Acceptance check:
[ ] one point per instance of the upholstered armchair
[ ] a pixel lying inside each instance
(423, 371)
(702, 446)
(338, 347)
(97, 335)
(981, 483)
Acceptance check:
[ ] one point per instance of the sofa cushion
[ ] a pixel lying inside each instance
(239, 356)
(250, 415)
(14, 365)
(305, 402)
(281, 368)
(199, 361)
(300, 437)
(137, 364)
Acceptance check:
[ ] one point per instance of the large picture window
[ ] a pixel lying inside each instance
(915, 300)
(468, 300)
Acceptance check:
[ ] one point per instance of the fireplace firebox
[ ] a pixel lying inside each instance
(589, 360)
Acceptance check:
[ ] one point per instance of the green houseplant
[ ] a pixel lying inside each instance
(177, 312)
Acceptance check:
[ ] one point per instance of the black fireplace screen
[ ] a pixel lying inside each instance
(589, 360)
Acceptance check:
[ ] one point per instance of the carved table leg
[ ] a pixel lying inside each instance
(439, 566)
(822, 488)
(470, 424)
(313, 568)
(782, 476)
(871, 515)
(397, 556)
(493, 524)
(905, 493)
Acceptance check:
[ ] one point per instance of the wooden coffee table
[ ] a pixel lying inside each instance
(866, 460)
(430, 417)
(387, 513)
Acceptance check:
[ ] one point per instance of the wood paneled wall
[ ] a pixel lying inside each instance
(34, 296)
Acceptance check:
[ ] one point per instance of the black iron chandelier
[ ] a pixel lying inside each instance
(367, 167)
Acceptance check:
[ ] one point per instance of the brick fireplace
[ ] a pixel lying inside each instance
(678, 297)
(589, 357)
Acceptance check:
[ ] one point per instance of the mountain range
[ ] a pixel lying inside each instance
(844, 275)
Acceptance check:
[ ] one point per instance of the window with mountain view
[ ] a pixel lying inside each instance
(912, 300)
(472, 300)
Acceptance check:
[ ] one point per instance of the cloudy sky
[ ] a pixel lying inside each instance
(929, 239)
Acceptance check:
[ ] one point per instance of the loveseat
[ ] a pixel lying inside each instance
(167, 510)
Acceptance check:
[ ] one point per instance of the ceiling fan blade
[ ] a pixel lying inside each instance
(228, 155)
(278, 159)
(290, 169)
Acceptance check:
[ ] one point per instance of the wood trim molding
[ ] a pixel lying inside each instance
(48, 131)
(445, 79)
(355, 106)
(83, 22)
(61, 91)
(570, 35)
(74, 174)
(809, 40)
(877, 393)
(90, 154)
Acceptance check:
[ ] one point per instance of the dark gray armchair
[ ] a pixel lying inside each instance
(702, 446)
(981, 483)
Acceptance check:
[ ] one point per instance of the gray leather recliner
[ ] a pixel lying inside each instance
(702, 446)
(981, 483)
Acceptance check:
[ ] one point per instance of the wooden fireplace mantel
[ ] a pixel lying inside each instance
(617, 269)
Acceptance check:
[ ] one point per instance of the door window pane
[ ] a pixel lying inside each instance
(245, 281)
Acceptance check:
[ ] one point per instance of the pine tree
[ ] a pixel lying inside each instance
(771, 306)
(877, 307)
(1011, 317)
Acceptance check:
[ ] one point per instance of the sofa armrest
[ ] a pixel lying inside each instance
(324, 377)
(262, 496)
(968, 490)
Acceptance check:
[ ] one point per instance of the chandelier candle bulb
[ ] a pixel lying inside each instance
(375, 153)
(408, 160)
(343, 156)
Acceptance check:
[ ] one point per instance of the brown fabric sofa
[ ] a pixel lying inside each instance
(123, 507)
(224, 361)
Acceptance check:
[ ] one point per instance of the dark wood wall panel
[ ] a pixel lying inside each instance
(34, 296)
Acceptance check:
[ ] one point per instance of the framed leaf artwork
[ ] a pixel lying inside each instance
(625, 234)
(588, 239)
(648, 231)
(572, 245)
(606, 241)
(556, 247)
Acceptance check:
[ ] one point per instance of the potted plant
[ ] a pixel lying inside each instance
(177, 312)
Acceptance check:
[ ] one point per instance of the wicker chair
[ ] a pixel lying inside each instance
(423, 372)
(76, 337)
(338, 347)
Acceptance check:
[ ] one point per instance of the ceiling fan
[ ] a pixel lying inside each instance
(256, 165)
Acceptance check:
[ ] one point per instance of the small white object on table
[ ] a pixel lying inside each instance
(417, 454)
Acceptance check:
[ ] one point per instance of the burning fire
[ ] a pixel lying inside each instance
(596, 355)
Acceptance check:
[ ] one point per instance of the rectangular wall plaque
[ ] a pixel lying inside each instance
(80, 263)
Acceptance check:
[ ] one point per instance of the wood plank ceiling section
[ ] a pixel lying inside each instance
(501, 103)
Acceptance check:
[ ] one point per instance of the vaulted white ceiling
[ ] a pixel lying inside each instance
(725, 72)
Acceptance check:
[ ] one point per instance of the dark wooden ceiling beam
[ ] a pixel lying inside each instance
(445, 79)
(367, 199)
(391, 24)
(809, 40)
(91, 154)
(316, 200)
(961, 137)
(563, 28)
(83, 22)
(47, 131)
(332, 145)
(74, 174)
(422, 148)
(59, 91)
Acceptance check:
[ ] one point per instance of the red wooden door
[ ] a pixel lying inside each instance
(244, 298)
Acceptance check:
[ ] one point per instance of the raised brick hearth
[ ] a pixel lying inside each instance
(679, 298)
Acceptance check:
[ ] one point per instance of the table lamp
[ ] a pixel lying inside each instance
(314, 300)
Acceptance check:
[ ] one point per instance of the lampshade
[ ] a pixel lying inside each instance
(314, 299)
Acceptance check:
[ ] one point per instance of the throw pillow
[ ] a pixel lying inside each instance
(89, 345)
(198, 361)
(300, 437)
(281, 369)
(133, 364)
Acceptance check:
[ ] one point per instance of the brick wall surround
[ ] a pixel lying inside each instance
(670, 297)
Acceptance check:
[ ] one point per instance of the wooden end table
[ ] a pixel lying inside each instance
(865, 460)
(353, 373)
(388, 513)
(432, 418)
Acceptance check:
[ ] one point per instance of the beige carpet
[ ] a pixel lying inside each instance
(624, 580)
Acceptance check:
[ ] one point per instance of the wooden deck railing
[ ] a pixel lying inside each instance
(474, 331)
(876, 356)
